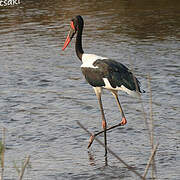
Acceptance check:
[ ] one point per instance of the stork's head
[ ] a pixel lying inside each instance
(76, 25)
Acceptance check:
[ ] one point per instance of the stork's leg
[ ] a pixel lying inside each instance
(104, 124)
(122, 123)
(115, 94)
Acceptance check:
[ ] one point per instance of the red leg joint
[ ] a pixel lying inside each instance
(104, 124)
(124, 121)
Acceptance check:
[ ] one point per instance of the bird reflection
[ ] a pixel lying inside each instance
(92, 160)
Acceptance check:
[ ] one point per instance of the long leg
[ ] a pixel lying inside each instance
(123, 121)
(104, 124)
(115, 94)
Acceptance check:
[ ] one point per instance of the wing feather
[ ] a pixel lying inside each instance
(117, 74)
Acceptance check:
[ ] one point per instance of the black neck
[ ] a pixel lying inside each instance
(79, 50)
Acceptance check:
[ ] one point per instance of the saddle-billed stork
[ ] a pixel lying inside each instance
(101, 72)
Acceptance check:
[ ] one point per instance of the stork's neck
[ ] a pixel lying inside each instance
(78, 46)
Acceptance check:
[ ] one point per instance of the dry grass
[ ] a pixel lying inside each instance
(23, 168)
(149, 123)
(2, 152)
(2, 158)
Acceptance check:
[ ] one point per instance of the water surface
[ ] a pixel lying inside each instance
(43, 92)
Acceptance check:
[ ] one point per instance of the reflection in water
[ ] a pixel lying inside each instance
(43, 92)
(91, 158)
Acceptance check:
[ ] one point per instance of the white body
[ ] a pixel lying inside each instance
(89, 59)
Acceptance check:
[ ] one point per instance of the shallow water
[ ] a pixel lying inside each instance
(43, 92)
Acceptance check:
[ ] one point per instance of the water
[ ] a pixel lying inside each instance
(43, 92)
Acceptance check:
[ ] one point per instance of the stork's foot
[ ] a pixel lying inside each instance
(122, 123)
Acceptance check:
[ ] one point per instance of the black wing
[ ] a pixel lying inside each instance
(117, 74)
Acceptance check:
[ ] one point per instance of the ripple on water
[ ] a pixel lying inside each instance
(43, 92)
